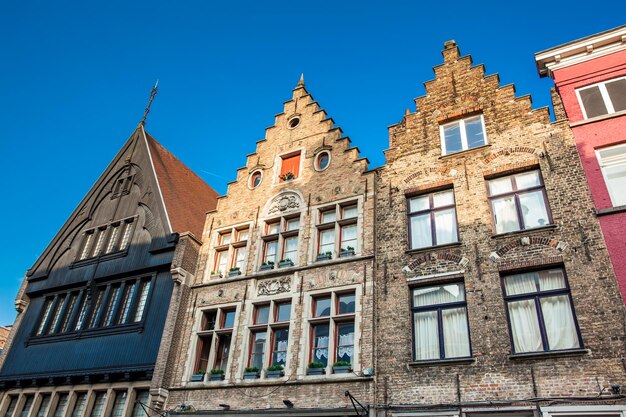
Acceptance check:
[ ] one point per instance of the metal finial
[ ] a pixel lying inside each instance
(301, 82)
(153, 93)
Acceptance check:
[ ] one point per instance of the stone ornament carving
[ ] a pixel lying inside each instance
(274, 286)
(285, 202)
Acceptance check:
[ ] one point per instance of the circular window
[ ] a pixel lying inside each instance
(255, 179)
(294, 122)
(322, 160)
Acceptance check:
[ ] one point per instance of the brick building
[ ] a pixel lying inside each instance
(285, 280)
(4, 334)
(494, 292)
(590, 78)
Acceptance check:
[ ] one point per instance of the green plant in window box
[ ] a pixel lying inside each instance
(287, 176)
(324, 256)
(265, 266)
(216, 375)
(275, 371)
(234, 271)
(285, 262)
(316, 368)
(251, 372)
(342, 367)
(198, 376)
(349, 251)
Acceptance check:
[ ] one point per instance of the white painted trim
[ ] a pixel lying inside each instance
(586, 410)
(463, 132)
(605, 96)
(167, 216)
(603, 165)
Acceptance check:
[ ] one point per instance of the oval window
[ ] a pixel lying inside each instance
(255, 179)
(322, 161)
(293, 123)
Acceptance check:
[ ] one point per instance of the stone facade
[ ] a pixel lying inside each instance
(492, 377)
(263, 212)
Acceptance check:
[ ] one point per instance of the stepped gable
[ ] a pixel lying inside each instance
(186, 196)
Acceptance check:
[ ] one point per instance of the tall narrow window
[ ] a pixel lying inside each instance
(440, 327)
(540, 311)
(269, 332)
(142, 399)
(129, 295)
(463, 134)
(82, 312)
(257, 350)
(118, 404)
(98, 404)
(44, 405)
(69, 309)
(290, 167)
(432, 219)
(44, 317)
(143, 298)
(28, 404)
(112, 305)
(61, 405)
(97, 305)
(56, 316)
(81, 403)
(11, 406)
(214, 338)
(337, 231)
(612, 161)
(518, 202)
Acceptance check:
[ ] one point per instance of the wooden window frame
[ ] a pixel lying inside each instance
(431, 210)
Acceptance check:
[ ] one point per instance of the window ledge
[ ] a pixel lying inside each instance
(439, 362)
(99, 258)
(521, 232)
(429, 248)
(463, 152)
(598, 118)
(85, 333)
(551, 354)
(610, 210)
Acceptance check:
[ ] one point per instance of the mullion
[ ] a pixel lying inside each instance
(442, 353)
(542, 326)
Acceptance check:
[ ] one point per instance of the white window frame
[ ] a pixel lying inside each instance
(584, 410)
(463, 132)
(603, 92)
(610, 164)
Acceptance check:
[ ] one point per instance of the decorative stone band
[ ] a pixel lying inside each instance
(434, 256)
(510, 150)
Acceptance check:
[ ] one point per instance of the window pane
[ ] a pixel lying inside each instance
(57, 313)
(320, 344)
(348, 212)
(322, 307)
(426, 335)
(221, 261)
(112, 305)
(143, 298)
(455, 333)
(223, 349)
(279, 350)
(527, 180)
(505, 214)
(45, 404)
(229, 319)
(208, 320)
(292, 224)
(82, 312)
(592, 102)
(559, 322)
(552, 279)
(421, 231)
(143, 397)
(291, 249)
(258, 349)
(118, 405)
(500, 186)
(128, 228)
(96, 308)
(328, 216)
(28, 404)
(225, 238)
(87, 245)
(441, 294)
(617, 93)
(444, 198)
(240, 258)
(521, 283)
(61, 405)
(98, 406)
(348, 236)
(115, 230)
(345, 342)
(445, 226)
(283, 312)
(616, 184)
(327, 240)
(272, 228)
(346, 303)
(262, 314)
(11, 407)
(71, 303)
(46, 312)
(474, 131)
(270, 251)
(203, 351)
(534, 212)
(452, 137)
(290, 164)
(79, 407)
(419, 203)
(525, 326)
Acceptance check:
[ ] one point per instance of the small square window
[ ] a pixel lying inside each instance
(321, 307)
(292, 224)
(272, 228)
(462, 135)
(349, 212)
(290, 167)
(262, 314)
(328, 216)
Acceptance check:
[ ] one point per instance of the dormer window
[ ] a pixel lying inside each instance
(461, 135)
(289, 167)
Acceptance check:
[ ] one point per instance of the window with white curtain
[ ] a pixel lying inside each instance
(440, 327)
(332, 328)
(432, 219)
(269, 334)
(612, 161)
(518, 202)
(540, 312)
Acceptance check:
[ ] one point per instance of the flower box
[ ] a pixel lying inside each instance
(251, 375)
(267, 267)
(197, 377)
(285, 263)
(344, 253)
(316, 371)
(234, 273)
(275, 374)
(342, 369)
(323, 257)
(216, 377)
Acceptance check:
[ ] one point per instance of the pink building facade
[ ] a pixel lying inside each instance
(590, 78)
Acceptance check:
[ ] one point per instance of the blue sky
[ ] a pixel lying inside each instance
(75, 78)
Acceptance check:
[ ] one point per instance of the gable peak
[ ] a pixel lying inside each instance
(301, 81)
(450, 51)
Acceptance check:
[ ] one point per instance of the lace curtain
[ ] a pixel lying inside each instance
(346, 345)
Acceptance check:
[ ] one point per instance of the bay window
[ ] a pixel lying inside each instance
(440, 326)
(540, 312)
(518, 202)
(432, 219)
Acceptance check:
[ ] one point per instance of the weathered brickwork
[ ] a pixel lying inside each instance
(518, 139)
(345, 186)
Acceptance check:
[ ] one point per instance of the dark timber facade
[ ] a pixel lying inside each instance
(93, 307)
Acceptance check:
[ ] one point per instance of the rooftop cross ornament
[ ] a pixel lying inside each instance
(153, 93)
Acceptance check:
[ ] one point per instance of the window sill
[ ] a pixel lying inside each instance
(523, 231)
(95, 332)
(439, 362)
(430, 248)
(610, 210)
(101, 258)
(463, 152)
(551, 354)
(598, 118)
